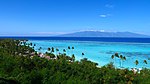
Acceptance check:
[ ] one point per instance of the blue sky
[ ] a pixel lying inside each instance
(50, 17)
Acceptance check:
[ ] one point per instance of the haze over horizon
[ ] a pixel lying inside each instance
(53, 17)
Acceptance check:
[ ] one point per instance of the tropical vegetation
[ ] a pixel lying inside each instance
(21, 64)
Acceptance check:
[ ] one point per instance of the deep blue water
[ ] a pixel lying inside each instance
(99, 39)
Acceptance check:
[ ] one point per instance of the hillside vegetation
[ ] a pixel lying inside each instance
(21, 64)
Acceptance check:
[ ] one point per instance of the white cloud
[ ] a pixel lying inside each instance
(102, 30)
(105, 15)
(93, 30)
(109, 6)
(48, 33)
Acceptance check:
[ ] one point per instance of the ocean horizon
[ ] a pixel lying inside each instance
(99, 39)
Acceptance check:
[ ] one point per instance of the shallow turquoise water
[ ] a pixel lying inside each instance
(100, 52)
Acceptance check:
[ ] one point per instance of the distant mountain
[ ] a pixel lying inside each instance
(103, 34)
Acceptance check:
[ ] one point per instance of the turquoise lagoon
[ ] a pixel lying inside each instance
(101, 52)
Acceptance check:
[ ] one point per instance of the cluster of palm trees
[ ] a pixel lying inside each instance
(51, 51)
(123, 58)
(144, 61)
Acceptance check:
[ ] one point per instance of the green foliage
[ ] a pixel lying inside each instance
(18, 66)
(51, 55)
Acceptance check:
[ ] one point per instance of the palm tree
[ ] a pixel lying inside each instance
(72, 49)
(73, 57)
(121, 58)
(31, 44)
(52, 49)
(68, 49)
(48, 49)
(64, 51)
(57, 51)
(124, 58)
(116, 55)
(46, 53)
(82, 54)
(145, 63)
(112, 57)
(136, 62)
(40, 49)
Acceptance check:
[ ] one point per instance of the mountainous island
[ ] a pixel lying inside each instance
(103, 34)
